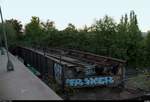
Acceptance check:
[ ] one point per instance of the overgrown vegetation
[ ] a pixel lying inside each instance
(122, 40)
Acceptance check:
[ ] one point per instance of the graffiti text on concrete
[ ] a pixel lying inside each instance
(89, 81)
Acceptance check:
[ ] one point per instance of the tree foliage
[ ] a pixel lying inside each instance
(122, 40)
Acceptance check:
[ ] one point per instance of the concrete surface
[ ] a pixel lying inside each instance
(21, 84)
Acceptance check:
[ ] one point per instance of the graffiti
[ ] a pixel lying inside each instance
(89, 70)
(58, 72)
(89, 81)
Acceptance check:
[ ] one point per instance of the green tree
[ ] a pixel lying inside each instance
(49, 31)
(129, 39)
(70, 28)
(10, 33)
(105, 30)
(122, 37)
(33, 31)
(17, 27)
(69, 36)
(147, 49)
(135, 38)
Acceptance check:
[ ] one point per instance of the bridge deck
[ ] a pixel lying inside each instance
(21, 84)
(66, 58)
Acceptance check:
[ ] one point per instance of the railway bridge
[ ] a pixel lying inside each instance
(76, 69)
(71, 68)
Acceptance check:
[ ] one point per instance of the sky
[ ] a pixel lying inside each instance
(77, 12)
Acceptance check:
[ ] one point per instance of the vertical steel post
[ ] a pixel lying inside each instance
(10, 66)
(1, 46)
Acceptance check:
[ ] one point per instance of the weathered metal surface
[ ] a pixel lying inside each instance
(74, 68)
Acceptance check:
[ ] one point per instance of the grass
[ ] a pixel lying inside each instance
(141, 81)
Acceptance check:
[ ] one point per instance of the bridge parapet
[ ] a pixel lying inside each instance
(22, 84)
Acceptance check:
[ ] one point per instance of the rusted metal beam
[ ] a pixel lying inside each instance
(68, 59)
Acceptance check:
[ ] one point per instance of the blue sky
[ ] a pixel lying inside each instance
(78, 12)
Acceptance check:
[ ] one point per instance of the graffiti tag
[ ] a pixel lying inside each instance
(58, 72)
(89, 81)
(89, 70)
